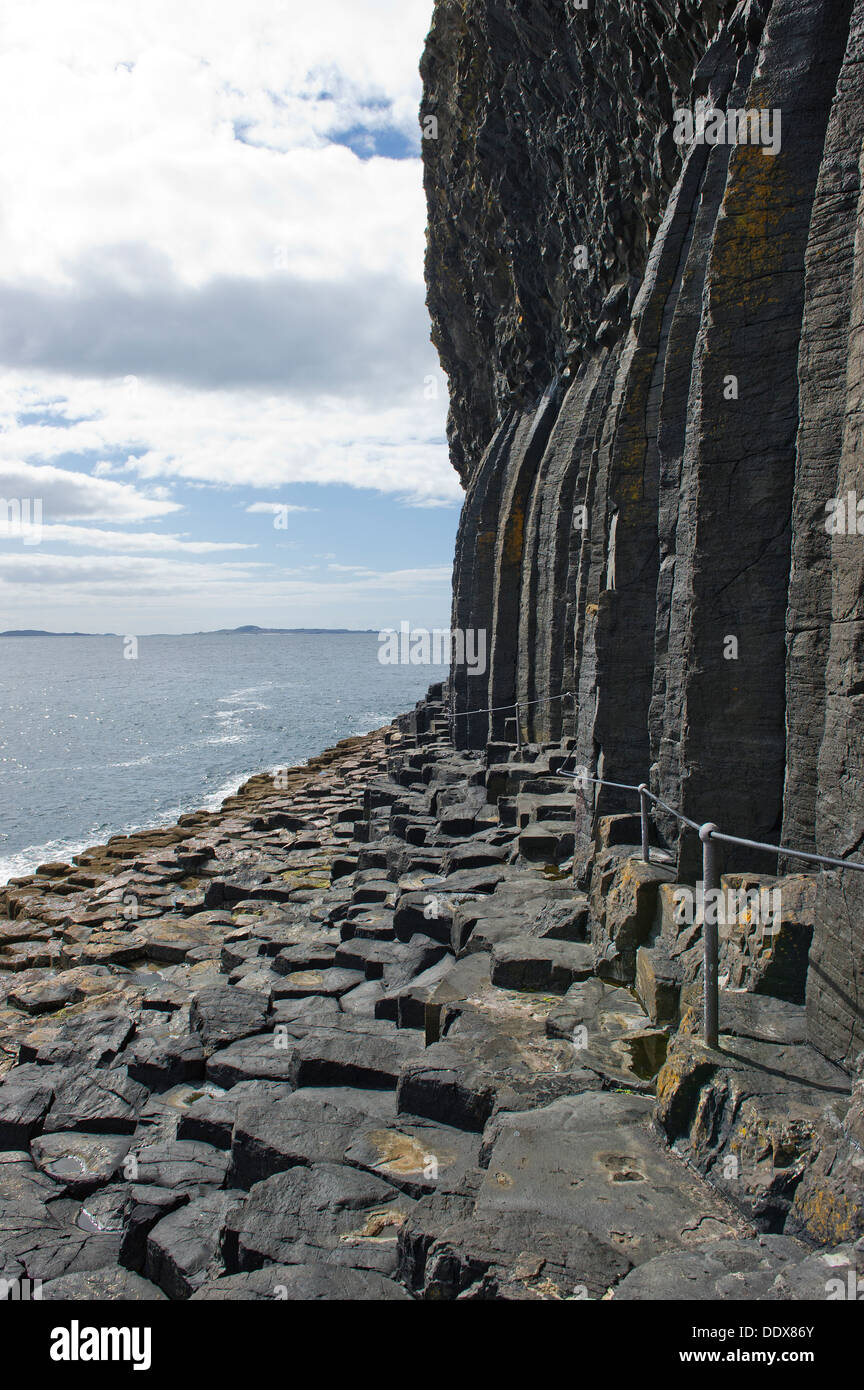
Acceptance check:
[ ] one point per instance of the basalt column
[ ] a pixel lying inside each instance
(653, 354)
(548, 164)
(835, 985)
(554, 527)
(726, 683)
(473, 585)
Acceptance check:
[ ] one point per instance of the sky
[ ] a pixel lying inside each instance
(219, 404)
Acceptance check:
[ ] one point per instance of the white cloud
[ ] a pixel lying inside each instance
(42, 569)
(366, 338)
(32, 533)
(129, 593)
(201, 284)
(226, 438)
(36, 567)
(67, 495)
(118, 124)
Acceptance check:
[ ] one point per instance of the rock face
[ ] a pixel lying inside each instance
(654, 354)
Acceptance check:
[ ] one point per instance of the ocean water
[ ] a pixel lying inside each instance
(93, 744)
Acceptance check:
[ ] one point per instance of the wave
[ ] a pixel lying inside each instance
(26, 860)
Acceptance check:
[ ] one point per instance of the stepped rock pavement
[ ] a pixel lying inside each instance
(302, 1049)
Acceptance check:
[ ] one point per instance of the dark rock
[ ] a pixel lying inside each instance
(36, 1245)
(267, 1057)
(611, 1034)
(542, 964)
(621, 1178)
(727, 1270)
(658, 984)
(97, 1037)
(111, 1284)
(464, 979)
(305, 1283)
(313, 955)
(564, 920)
(159, 1059)
(23, 1108)
(105, 1102)
(406, 1006)
(330, 983)
(353, 1051)
(414, 1155)
(223, 1014)
(832, 1275)
(828, 1206)
(428, 913)
(512, 1255)
(748, 1113)
(179, 1164)
(770, 956)
(210, 1118)
(363, 1000)
(22, 1183)
(349, 1217)
(146, 1207)
(183, 1247)
(304, 1128)
(623, 907)
(465, 1079)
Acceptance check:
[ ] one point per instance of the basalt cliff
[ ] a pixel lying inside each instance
(654, 355)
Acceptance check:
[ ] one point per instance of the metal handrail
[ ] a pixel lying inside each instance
(708, 834)
(514, 704)
(647, 795)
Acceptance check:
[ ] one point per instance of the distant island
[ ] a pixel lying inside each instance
(248, 628)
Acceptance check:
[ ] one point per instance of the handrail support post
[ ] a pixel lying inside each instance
(643, 812)
(710, 935)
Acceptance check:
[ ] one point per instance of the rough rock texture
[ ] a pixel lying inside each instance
(650, 437)
(423, 1020)
(492, 1113)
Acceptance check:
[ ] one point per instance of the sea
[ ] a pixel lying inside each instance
(98, 741)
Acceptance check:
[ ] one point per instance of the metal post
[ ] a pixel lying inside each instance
(710, 884)
(518, 729)
(643, 811)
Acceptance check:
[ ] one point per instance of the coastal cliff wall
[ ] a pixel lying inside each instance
(654, 356)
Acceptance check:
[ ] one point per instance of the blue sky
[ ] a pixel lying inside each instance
(219, 403)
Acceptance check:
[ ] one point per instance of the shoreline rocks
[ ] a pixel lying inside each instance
(301, 1037)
